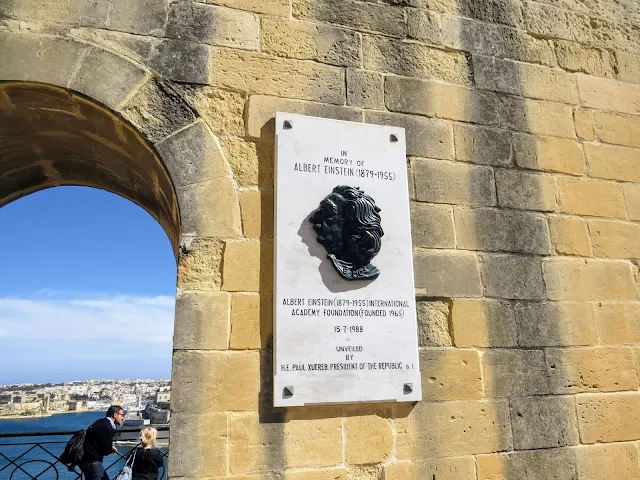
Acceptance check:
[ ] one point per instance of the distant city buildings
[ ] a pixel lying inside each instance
(144, 395)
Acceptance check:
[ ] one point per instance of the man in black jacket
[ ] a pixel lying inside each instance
(99, 442)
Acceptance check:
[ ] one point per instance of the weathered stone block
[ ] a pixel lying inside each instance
(199, 380)
(547, 84)
(210, 209)
(548, 153)
(617, 129)
(263, 74)
(251, 320)
(450, 374)
(89, 14)
(446, 429)
(369, 439)
(213, 25)
(257, 213)
(247, 169)
(106, 77)
(297, 440)
(262, 110)
(198, 444)
(157, 110)
(632, 200)
(426, 137)
(614, 239)
(543, 422)
(490, 146)
(143, 17)
(199, 264)
(38, 58)
(526, 191)
(537, 116)
(619, 323)
(448, 182)
(569, 235)
(588, 280)
(576, 370)
(462, 468)
(546, 21)
(628, 67)
(424, 25)
(411, 95)
(365, 89)
(512, 276)
(584, 124)
(415, 60)
(281, 8)
(495, 230)
(433, 323)
(473, 36)
(507, 12)
(202, 321)
(610, 95)
(600, 419)
(523, 47)
(432, 226)
(496, 74)
(176, 60)
(483, 323)
(365, 16)
(220, 109)
(308, 41)
(579, 58)
(616, 460)
(556, 324)
(193, 155)
(596, 198)
(248, 266)
(333, 474)
(512, 373)
(556, 464)
(447, 273)
(612, 162)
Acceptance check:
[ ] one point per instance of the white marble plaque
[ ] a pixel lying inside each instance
(339, 340)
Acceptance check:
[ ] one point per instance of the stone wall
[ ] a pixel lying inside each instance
(523, 127)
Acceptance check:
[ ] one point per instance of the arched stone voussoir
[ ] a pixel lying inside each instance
(39, 58)
(208, 199)
(158, 110)
(193, 155)
(64, 62)
(107, 77)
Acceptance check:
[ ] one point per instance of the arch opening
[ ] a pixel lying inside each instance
(51, 137)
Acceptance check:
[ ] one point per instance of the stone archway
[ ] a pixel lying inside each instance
(72, 113)
(51, 137)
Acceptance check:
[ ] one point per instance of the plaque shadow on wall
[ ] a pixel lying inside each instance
(328, 273)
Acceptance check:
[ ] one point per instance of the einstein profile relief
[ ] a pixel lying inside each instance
(347, 225)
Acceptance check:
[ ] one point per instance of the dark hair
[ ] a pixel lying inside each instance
(113, 409)
(353, 233)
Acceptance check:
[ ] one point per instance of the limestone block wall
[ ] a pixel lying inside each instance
(523, 137)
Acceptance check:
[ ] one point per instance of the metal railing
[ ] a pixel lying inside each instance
(34, 456)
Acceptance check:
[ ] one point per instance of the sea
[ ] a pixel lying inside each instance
(34, 457)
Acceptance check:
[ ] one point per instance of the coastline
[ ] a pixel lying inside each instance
(39, 415)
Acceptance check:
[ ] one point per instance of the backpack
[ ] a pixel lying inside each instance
(74, 450)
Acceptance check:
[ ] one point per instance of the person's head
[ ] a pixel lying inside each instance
(347, 224)
(148, 437)
(116, 413)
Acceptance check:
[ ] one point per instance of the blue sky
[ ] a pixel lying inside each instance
(87, 289)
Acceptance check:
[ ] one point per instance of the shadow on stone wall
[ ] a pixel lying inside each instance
(512, 238)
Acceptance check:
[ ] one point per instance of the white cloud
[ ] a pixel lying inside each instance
(111, 319)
